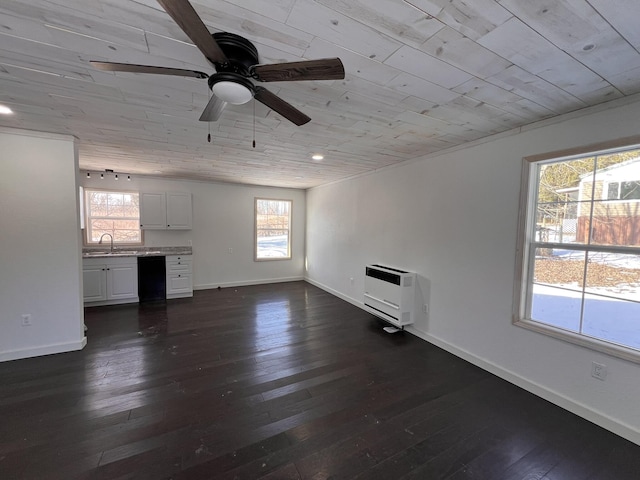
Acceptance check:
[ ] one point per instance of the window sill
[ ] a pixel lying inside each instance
(581, 340)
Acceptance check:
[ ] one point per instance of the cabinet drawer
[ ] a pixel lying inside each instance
(182, 258)
(178, 267)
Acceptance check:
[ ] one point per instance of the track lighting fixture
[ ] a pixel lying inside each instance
(107, 172)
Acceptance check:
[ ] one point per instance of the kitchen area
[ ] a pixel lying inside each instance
(118, 274)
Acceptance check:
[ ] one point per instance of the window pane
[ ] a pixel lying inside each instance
(612, 320)
(559, 267)
(558, 222)
(614, 275)
(97, 204)
(557, 307)
(616, 215)
(273, 244)
(563, 203)
(630, 190)
(557, 290)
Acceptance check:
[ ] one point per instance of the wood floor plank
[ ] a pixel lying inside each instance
(280, 381)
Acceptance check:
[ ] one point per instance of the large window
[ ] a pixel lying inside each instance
(580, 272)
(272, 229)
(113, 213)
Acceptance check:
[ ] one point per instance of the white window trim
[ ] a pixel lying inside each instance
(255, 230)
(524, 269)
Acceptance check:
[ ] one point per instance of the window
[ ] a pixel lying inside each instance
(579, 278)
(629, 190)
(115, 213)
(273, 229)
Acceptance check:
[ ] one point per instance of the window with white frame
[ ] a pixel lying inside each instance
(113, 213)
(272, 229)
(579, 278)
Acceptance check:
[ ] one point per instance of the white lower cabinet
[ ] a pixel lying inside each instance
(109, 281)
(179, 276)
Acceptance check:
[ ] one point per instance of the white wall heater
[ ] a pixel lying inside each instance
(389, 294)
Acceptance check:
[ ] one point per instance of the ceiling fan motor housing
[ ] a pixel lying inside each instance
(240, 52)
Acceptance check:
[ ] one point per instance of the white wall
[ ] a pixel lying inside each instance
(40, 268)
(223, 219)
(452, 218)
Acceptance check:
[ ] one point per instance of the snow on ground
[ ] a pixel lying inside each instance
(610, 319)
(272, 247)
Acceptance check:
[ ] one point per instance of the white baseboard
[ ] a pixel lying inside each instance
(554, 397)
(336, 293)
(43, 350)
(245, 283)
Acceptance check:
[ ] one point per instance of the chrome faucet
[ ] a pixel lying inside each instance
(102, 236)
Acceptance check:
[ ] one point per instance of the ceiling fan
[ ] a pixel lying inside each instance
(236, 62)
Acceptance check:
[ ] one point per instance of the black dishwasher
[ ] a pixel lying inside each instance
(151, 279)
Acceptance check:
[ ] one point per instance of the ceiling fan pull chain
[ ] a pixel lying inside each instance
(254, 123)
(209, 123)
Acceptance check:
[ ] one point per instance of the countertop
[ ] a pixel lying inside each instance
(135, 252)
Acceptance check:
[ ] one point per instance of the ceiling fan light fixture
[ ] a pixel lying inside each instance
(232, 92)
(231, 87)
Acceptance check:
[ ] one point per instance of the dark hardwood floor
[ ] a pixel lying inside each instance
(280, 381)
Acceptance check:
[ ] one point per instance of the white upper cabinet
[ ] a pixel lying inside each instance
(179, 211)
(153, 211)
(162, 211)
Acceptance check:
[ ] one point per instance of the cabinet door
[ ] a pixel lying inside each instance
(94, 282)
(179, 283)
(179, 211)
(122, 281)
(153, 211)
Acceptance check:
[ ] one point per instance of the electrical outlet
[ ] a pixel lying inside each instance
(598, 370)
(425, 308)
(26, 319)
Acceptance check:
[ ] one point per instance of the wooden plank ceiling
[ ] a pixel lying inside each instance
(421, 76)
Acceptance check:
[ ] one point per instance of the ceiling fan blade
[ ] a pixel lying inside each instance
(212, 111)
(130, 67)
(188, 20)
(285, 109)
(323, 69)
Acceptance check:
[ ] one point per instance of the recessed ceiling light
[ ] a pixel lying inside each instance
(317, 157)
(4, 110)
